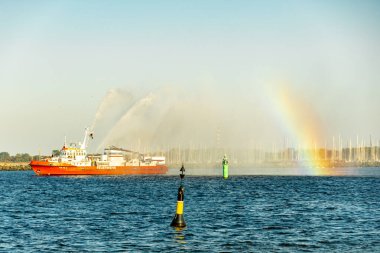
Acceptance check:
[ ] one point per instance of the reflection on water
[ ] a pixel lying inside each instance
(179, 235)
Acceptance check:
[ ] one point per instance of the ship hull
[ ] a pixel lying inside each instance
(43, 168)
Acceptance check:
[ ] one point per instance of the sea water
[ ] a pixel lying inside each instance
(241, 214)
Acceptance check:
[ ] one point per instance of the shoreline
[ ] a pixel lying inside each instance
(12, 166)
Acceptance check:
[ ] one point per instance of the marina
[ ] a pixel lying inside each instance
(272, 156)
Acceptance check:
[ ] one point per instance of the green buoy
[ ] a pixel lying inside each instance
(225, 167)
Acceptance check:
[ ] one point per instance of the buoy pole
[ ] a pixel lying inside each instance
(225, 167)
(178, 220)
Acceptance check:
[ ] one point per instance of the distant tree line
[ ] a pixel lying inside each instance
(24, 157)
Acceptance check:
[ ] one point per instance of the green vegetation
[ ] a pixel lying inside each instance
(24, 157)
(56, 152)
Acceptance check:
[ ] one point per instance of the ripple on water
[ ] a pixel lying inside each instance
(241, 214)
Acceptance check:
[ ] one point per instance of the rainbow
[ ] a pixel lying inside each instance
(302, 126)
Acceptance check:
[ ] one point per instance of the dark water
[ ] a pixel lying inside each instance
(241, 214)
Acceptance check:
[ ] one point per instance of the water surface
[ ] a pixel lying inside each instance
(243, 213)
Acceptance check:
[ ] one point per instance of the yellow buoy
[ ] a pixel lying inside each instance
(178, 220)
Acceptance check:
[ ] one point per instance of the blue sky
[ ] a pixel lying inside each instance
(58, 59)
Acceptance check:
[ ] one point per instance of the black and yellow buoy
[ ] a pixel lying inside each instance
(178, 220)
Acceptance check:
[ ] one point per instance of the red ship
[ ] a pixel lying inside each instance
(73, 160)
